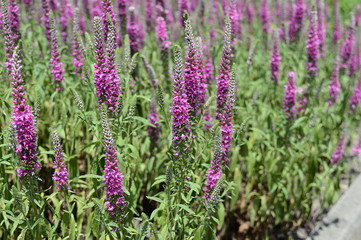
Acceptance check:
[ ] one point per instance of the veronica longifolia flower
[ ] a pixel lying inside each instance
(337, 22)
(214, 171)
(348, 45)
(61, 172)
(46, 19)
(55, 63)
(338, 152)
(313, 46)
(134, 32)
(8, 35)
(113, 178)
(297, 21)
(191, 69)
(224, 71)
(77, 53)
(356, 96)
(275, 61)
(290, 96)
(335, 81)
(180, 106)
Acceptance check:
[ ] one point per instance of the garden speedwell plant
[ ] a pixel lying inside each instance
(165, 119)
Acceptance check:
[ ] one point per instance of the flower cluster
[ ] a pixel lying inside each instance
(55, 63)
(161, 30)
(153, 118)
(335, 82)
(297, 21)
(275, 62)
(77, 54)
(17, 81)
(191, 69)
(61, 172)
(215, 170)
(134, 32)
(356, 96)
(224, 71)
(338, 152)
(290, 96)
(8, 35)
(180, 106)
(313, 46)
(348, 45)
(46, 19)
(24, 125)
(113, 178)
(265, 17)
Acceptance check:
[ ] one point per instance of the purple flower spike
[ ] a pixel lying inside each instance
(14, 15)
(265, 18)
(107, 9)
(113, 178)
(215, 171)
(24, 125)
(337, 32)
(134, 32)
(61, 172)
(112, 83)
(180, 106)
(356, 96)
(183, 6)
(335, 81)
(250, 13)
(153, 118)
(290, 96)
(356, 151)
(191, 69)
(313, 46)
(161, 29)
(99, 73)
(46, 19)
(297, 21)
(149, 14)
(338, 152)
(55, 63)
(17, 81)
(8, 36)
(122, 15)
(77, 54)
(225, 71)
(226, 121)
(321, 27)
(275, 61)
(348, 45)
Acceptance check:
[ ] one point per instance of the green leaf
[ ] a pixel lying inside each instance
(186, 208)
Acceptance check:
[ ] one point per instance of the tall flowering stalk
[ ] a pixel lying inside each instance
(153, 118)
(321, 27)
(66, 13)
(356, 96)
(337, 32)
(275, 61)
(339, 151)
(23, 123)
(149, 7)
(7, 35)
(99, 72)
(112, 83)
(181, 123)
(14, 15)
(107, 9)
(215, 170)
(335, 81)
(235, 20)
(297, 22)
(164, 44)
(265, 17)
(226, 120)
(113, 178)
(348, 45)
(122, 16)
(55, 63)
(224, 71)
(290, 96)
(313, 45)
(183, 6)
(46, 19)
(61, 172)
(134, 32)
(77, 54)
(202, 75)
(191, 69)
